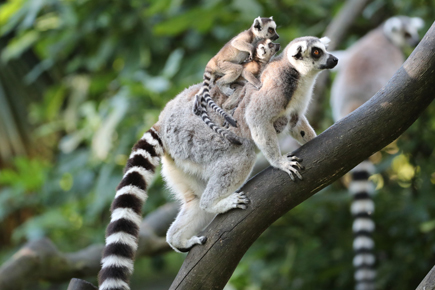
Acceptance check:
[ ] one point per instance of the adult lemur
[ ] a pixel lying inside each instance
(204, 170)
(227, 63)
(264, 51)
(365, 69)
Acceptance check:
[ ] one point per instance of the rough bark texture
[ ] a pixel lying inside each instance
(326, 158)
(428, 282)
(41, 260)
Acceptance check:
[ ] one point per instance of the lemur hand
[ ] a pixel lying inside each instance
(290, 164)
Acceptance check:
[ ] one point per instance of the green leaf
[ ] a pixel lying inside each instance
(19, 45)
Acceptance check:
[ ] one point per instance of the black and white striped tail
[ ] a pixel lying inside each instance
(204, 96)
(230, 136)
(209, 101)
(362, 209)
(123, 230)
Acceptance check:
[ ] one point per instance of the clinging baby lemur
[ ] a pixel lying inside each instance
(226, 64)
(203, 170)
(265, 49)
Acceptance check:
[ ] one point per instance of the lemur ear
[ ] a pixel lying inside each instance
(417, 22)
(325, 40)
(393, 24)
(296, 51)
(257, 23)
(271, 17)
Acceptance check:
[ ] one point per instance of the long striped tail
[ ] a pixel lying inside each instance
(230, 136)
(123, 230)
(362, 209)
(204, 96)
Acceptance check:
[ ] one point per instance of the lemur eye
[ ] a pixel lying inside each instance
(270, 45)
(270, 30)
(408, 35)
(316, 52)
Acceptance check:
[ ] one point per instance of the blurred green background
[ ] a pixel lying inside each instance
(81, 80)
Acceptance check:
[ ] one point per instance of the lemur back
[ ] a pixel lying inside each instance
(265, 50)
(205, 171)
(226, 64)
(369, 64)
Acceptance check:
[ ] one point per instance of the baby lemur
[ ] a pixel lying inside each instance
(226, 64)
(203, 170)
(265, 50)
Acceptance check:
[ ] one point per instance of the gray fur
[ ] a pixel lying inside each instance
(205, 171)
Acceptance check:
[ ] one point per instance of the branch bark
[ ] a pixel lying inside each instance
(428, 282)
(41, 260)
(326, 158)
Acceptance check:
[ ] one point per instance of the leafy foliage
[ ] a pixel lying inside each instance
(103, 72)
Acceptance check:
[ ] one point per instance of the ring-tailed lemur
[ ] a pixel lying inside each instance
(265, 50)
(205, 171)
(227, 63)
(366, 68)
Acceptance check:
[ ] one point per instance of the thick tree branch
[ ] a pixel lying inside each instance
(326, 158)
(41, 260)
(428, 282)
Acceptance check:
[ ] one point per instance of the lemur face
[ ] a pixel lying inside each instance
(267, 49)
(403, 30)
(309, 55)
(265, 28)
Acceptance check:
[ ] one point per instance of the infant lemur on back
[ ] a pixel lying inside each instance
(264, 51)
(204, 171)
(227, 64)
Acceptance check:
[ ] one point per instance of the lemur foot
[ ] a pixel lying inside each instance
(190, 244)
(226, 90)
(291, 165)
(240, 200)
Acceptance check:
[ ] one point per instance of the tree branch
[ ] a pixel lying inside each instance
(41, 260)
(326, 158)
(428, 282)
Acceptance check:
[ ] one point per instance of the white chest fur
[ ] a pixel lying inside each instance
(298, 103)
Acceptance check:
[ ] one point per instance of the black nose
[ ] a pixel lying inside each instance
(275, 37)
(278, 47)
(331, 62)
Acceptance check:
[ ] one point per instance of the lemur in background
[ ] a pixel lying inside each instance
(366, 68)
(203, 170)
(264, 51)
(227, 63)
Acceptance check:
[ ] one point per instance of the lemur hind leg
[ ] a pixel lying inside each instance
(220, 194)
(183, 233)
(231, 71)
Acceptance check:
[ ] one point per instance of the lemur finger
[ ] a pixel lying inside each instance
(291, 174)
(297, 165)
(294, 157)
(296, 172)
